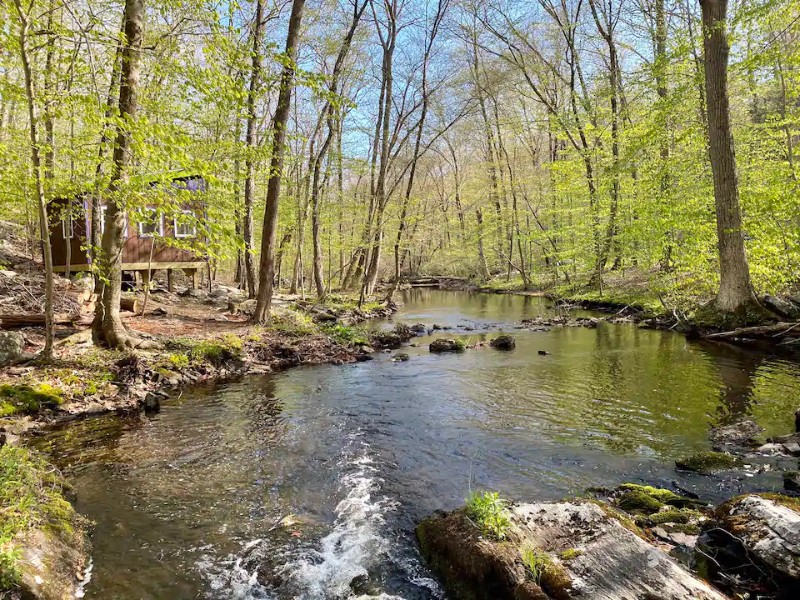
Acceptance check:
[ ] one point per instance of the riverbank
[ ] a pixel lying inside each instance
(637, 298)
(617, 544)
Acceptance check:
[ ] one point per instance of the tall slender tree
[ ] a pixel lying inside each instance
(279, 121)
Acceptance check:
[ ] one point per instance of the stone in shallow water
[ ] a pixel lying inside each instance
(503, 342)
(441, 346)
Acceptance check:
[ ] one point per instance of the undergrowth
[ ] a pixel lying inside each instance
(31, 496)
(490, 512)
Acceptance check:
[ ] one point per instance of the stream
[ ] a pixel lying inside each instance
(308, 483)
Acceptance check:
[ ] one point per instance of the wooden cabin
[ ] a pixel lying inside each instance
(145, 249)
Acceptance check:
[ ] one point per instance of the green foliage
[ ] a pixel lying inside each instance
(490, 513)
(293, 323)
(347, 334)
(27, 399)
(536, 562)
(217, 353)
(178, 361)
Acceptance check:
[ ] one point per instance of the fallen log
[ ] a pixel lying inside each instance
(761, 331)
(21, 320)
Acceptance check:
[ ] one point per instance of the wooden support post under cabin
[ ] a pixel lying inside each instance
(170, 282)
(145, 279)
(192, 273)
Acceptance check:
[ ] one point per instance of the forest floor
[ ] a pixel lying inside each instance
(195, 335)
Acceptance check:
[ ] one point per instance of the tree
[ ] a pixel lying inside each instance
(735, 289)
(107, 327)
(268, 235)
(24, 17)
(250, 144)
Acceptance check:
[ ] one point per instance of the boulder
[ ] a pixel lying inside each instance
(709, 463)
(503, 342)
(444, 345)
(742, 434)
(554, 551)
(418, 329)
(784, 308)
(791, 481)
(11, 346)
(759, 536)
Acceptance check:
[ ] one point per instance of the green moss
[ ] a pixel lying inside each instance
(548, 574)
(178, 360)
(217, 352)
(27, 399)
(638, 502)
(677, 515)
(570, 554)
(31, 496)
(293, 323)
(708, 463)
(660, 494)
(490, 513)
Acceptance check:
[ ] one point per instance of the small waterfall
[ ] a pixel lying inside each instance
(344, 557)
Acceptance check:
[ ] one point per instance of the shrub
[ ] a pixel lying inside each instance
(490, 513)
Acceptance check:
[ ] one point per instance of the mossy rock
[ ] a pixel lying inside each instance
(43, 541)
(442, 346)
(638, 502)
(27, 399)
(708, 463)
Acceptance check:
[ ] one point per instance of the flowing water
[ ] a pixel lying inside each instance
(307, 484)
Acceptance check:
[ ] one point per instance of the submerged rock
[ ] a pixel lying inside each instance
(742, 434)
(791, 481)
(401, 357)
(445, 345)
(708, 463)
(554, 551)
(503, 342)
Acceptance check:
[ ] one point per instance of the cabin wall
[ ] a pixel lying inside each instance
(136, 249)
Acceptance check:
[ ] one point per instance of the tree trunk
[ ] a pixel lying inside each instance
(250, 143)
(267, 271)
(735, 290)
(44, 225)
(107, 327)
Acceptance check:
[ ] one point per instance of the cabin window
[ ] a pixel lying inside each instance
(185, 226)
(152, 223)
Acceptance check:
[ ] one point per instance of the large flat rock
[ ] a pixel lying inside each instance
(769, 530)
(590, 553)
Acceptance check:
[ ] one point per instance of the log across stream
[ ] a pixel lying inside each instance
(309, 483)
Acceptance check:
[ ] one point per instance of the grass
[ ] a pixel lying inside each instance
(546, 572)
(31, 496)
(490, 513)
